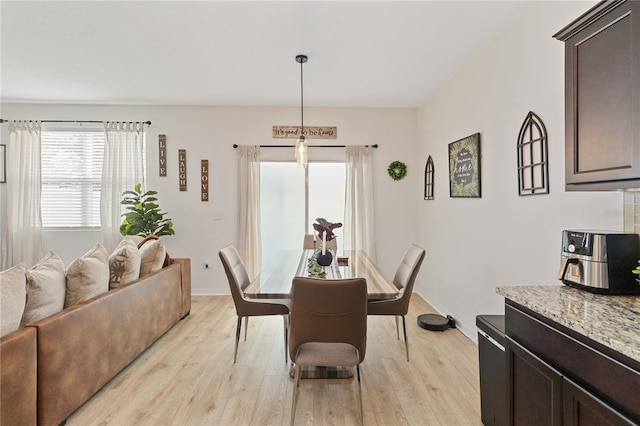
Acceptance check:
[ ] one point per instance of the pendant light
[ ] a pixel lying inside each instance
(301, 144)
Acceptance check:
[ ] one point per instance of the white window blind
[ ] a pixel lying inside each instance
(71, 175)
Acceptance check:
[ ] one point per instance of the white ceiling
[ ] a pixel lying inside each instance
(361, 54)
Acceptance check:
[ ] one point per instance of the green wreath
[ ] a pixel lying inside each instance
(397, 170)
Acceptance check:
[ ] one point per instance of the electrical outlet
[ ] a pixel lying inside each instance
(216, 215)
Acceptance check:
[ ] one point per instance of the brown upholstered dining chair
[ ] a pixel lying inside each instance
(238, 281)
(309, 244)
(328, 326)
(404, 279)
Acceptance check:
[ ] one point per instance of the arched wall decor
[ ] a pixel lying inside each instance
(429, 171)
(533, 163)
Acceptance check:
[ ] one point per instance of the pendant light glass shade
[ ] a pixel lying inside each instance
(301, 144)
(301, 152)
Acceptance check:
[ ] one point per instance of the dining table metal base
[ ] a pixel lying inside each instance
(318, 372)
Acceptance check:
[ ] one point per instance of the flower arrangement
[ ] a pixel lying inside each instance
(325, 228)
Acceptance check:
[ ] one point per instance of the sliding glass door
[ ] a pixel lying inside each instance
(291, 198)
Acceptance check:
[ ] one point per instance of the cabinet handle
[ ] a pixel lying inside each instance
(491, 339)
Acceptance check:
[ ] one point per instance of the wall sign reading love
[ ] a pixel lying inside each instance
(204, 180)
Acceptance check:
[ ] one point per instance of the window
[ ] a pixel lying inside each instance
(291, 198)
(71, 175)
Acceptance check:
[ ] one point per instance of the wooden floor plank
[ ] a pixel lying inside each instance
(188, 377)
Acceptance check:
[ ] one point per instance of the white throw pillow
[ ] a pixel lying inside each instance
(88, 276)
(13, 297)
(46, 289)
(124, 263)
(153, 254)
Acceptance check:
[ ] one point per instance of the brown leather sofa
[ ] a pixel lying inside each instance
(51, 367)
(18, 377)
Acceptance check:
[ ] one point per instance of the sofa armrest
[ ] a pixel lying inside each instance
(185, 271)
(18, 378)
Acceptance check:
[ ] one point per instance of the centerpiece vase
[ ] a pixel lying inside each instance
(324, 259)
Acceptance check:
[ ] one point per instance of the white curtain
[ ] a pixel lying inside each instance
(249, 237)
(358, 206)
(23, 242)
(122, 169)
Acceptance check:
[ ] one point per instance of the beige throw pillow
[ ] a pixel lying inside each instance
(13, 296)
(124, 263)
(137, 239)
(88, 276)
(152, 254)
(46, 289)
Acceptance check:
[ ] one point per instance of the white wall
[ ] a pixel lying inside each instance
(474, 245)
(209, 133)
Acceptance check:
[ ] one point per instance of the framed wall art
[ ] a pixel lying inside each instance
(464, 167)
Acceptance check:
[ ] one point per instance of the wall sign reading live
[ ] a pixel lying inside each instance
(162, 155)
(293, 132)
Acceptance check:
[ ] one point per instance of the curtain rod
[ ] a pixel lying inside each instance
(2, 120)
(310, 146)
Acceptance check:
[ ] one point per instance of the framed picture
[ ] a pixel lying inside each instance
(3, 163)
(464, 167)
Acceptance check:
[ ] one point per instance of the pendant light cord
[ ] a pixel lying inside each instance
(301, 100)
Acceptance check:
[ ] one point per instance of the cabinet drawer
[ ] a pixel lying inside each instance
(608, 379)
(582, 408)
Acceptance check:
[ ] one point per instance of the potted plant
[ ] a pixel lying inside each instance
(637, 272)
(143, 216)
(325, 232)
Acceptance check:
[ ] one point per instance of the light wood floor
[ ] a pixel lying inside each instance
(188, 377)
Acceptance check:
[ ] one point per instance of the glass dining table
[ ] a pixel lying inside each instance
(274, 281)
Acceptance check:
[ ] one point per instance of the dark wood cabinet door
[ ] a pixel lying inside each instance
(534, 389)
(581, 408)
(602, 99)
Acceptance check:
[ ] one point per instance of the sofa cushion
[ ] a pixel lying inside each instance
(46, 289)
(152, 254)
(88, 276)
(13, 297)
(124, 263)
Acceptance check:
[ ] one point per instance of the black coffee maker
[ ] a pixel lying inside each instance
(600, 261)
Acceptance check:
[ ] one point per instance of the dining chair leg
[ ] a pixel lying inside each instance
(406, 342)
(246, 327)
(360, 395)
(397, 329)
(295, 393)
(286, 338)
(235, 352)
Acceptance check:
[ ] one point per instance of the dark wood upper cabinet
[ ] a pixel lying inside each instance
(602, 98)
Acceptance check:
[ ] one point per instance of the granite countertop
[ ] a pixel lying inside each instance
(613, 321)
